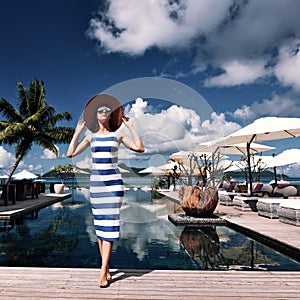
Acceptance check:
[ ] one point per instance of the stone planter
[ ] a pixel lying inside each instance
(59, 188)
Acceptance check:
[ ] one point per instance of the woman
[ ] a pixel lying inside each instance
(103, 115)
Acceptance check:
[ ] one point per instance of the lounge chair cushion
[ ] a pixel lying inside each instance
(286, 191)
(258, 187)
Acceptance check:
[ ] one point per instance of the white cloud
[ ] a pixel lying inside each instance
(35, 169)
(176, 128)
(6, 158)
(237, 73)
(84, 163)
(244, 113)
(255, 30)
(287, 69)
(47, 154)
(219, 121)
(140, 23)
(238, 38)
(278, 105)
(137, 109)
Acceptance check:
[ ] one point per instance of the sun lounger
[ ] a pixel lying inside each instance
(261, 189)
(226, 198)
(289, 211)
(285, 190)
(267, 207)
(245, 203)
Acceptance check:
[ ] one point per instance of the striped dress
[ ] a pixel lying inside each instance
(106, 186)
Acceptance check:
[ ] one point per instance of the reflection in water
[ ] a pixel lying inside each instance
(202, 245)
(63, 236)
(26, 247)
(220, 248)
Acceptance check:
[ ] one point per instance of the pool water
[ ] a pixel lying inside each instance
(63, 236)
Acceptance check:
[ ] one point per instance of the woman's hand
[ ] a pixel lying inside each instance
(80, 126)
(127, 122)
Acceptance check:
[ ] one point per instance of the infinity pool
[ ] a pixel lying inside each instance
(63, 236)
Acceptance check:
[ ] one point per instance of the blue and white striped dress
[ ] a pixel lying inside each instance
(106, 186)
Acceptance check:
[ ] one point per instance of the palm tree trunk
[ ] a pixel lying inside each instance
(15, 165)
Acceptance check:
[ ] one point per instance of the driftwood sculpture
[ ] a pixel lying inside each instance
(198, 202)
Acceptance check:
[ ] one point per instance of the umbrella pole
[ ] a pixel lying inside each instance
(249, 168)
(275, 175)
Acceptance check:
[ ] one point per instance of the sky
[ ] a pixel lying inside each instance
(230, 62)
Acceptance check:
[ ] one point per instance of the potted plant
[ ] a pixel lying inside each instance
(64, 172)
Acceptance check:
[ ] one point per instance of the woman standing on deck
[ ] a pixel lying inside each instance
(103, 115)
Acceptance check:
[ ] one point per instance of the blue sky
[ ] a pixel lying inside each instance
(241, 56)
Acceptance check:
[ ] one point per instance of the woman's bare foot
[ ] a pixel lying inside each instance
(103, 281)
(108, 275)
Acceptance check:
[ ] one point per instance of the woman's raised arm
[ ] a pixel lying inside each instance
(75, 148)
(134, 144)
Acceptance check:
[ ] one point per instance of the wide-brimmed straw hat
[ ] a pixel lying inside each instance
(103, 100)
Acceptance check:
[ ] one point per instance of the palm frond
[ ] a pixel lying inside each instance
(36, 96)
(31, 99)
(22, 99)
(60, 117)
(8, 139)
(61, 134)
(4, 124)
(46, 142)
(41, 117)
(14, 133)
(9, 112)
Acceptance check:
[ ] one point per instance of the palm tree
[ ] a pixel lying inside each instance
(34, 123)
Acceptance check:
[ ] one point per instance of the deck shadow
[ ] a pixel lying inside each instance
(121, 274)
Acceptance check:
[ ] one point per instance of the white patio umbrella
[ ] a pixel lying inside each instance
(152, 170)
(233, 149)
(263, 129)
(123, 170)
(287, 157)
(215, 151)
(229, 165)
(168, 166)
(219, 149)
(24, 175)
(185, 155)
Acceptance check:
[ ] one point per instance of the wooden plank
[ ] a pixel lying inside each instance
(140, 284)
(63, 283)
(28, 206)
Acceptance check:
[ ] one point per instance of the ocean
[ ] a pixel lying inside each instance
(146, 182)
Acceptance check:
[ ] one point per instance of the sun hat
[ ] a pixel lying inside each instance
(103, 100)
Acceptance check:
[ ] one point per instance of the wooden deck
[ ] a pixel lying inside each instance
(281, 236)
(29, 206)
(47, 283)
(63, 283)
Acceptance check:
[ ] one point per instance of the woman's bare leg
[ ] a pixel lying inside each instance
(105, 248)
(100, 243)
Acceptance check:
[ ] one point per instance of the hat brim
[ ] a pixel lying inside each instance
(101, 100)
